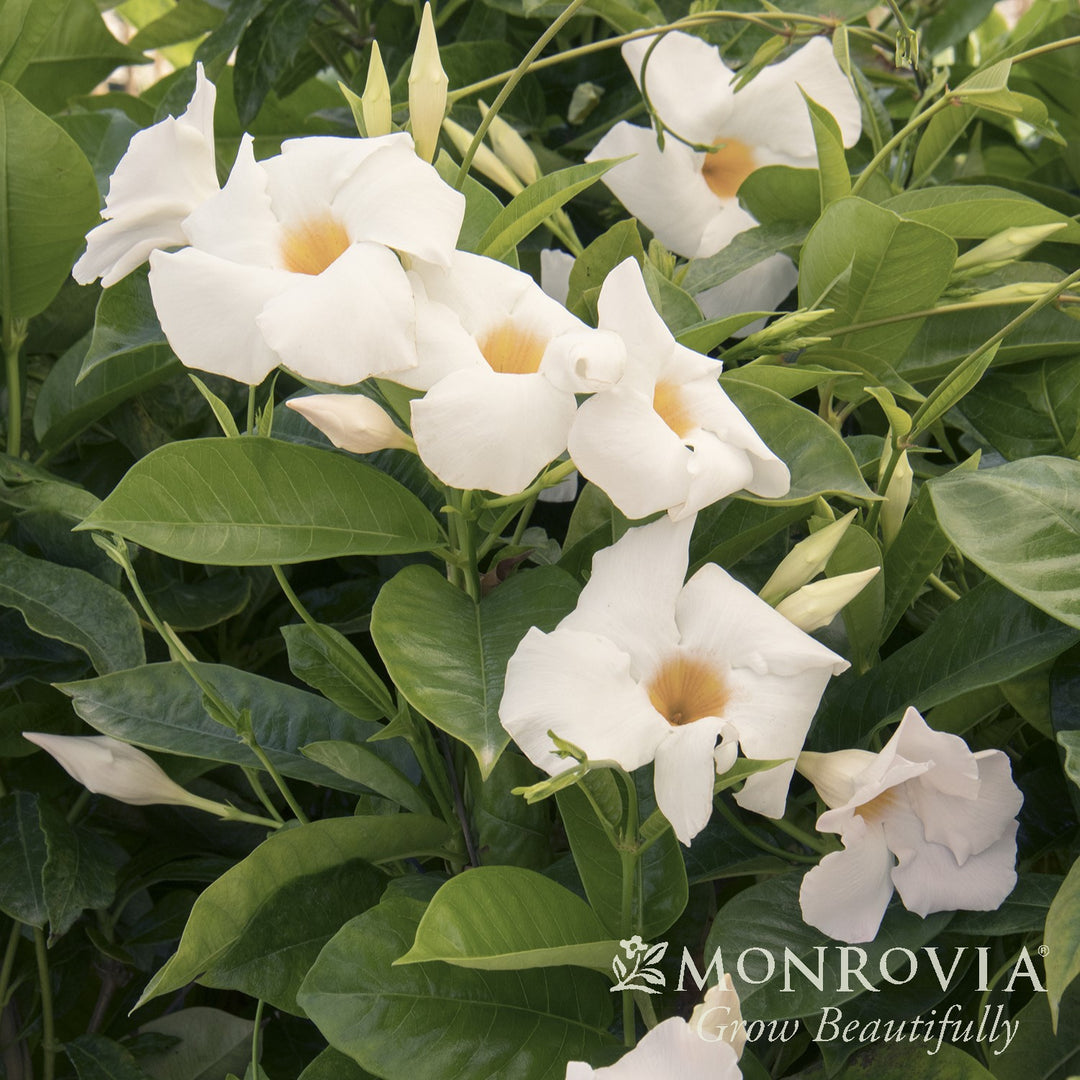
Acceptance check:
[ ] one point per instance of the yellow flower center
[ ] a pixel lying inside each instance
(880, 807)
(511, 350)
(670, 404)
(310, 246)
(685, 689)
(728, 166)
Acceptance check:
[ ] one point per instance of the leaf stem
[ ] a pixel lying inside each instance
(48, 1025)
(552, 477)
(255, 1033)
(251, 414)
(883, 155)
(743, 830)
(9, 962)
(14, 335)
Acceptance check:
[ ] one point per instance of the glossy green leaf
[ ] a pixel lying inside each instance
(1037, 1051)
(159, 707)
(897, 1061)
(124, 322)
(226, 930)
(746, 250)
(73, 606)
(22, 859)
(862, 616)
(195, 605)
(448, 655)
(1020, 523)
(1062, 940)
(363, 765)
(50, 199)
(254, 502)
(508, 830)
(985, 637)
(188, 20)
(622, 241)
(201, 1044)
(24, 25)
(536, 203)
(819, 461)
(834, 179)
(526, 1024)
(780, 193)
(1023, 911)
(786, 380)
(333, 1065)
(481, 207)
(505, 918)
(727, 532)
(1070, 741)
(98, 1058)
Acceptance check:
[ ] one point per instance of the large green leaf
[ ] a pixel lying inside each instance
(333, 1065)
(1037, 1051)
(1062, 940)
(125, 321)
(362, 764)
(1021, 524)
(820, 462)
(458, 1023)
(73, 606)
(987, 636)
(24, 25)
(48, 199)
(159, 706)
(237, 936)
(448, 654)
(98, 1058)
(256, 501)
(897, 1061)
(196, 1044)
(746, 250)
(505, 918)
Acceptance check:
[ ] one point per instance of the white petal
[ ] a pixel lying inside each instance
(563, 492)
(478, 428)
(931, 879)
(208, 306)
(671, 1049)
(846, 894)
(555, 267)
(578, 685)
(620, 443)
(716, 470)
(834, 775)
(667, 192)
(760, 288)
(394, 198)
(115, 248)
(687, 82)
(200, 111)
(630, 597)
(955, 770)
(770, 111)
(584, 361)
(351, 421)
(685, 771)
(353, 320)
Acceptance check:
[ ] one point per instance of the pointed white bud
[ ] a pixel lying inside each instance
(817, 604)
(896, 501)
(834, 774)
(484, 161)
(376, 99)
(719, 1017)
(805, 561)
(107, 766)
(352, 422)
(427, 89)
(1005, 246)
(511, 149)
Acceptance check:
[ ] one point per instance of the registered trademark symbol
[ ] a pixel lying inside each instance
(1044, 950)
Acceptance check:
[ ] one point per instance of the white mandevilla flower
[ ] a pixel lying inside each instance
(107, 766)
(167, 171)
(688, 197)
(925, 816)
(501, 362)
(649, 669)
(352, 422)
(666, 437)
(701, 1049)
(294, 261)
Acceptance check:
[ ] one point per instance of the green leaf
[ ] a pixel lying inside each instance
(1062, 938)
(448, 655)
(203, 1044)
(124, 322)
(159, 707)
(23, 853)
(24, 25)
(746, 250)
(509, 831)
(49, 199)
(227, 931)
(73, 606)
(188, 20)
(327, 661)
(706, 335)
(1020, 523)
(67, 406)
(332, 1065)
(766, 918)
(622, 241)
(481, 206)
(987, 636)
(1037, 1052)
(786, 380)
(779, 193)
(819, 461)
(536, 204)
(98, 1058)
(858, 550)
(269, 45)
(255, 502)
(979, 211)
(663, 871)
(1070, 740)
(867, 263)
(529, 1024)
(896, 1061)
(196, 605)
(676, 306)
(362, 765)
(505, 918)
(726, 532)
(1023, 912)
(834, 179)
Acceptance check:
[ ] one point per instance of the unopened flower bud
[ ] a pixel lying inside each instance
(107, 766)
(786, 329)
(1005, 246)
(833, 775)
(719, 1017)
(352, 422)
(484, 161)
(805, 561)
(511, 149)
(427, 89)
(1019, 292)
(896, 500)
(376, 99)
(817, 604)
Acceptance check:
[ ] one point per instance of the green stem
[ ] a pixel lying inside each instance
(629, 858)
(935, 582)
(523, 521)
(552, 477)
(260, 793)
(495, 533)
(256, 1032)
(883, 155)
(508, 88)
(1063, 43)
(468, 547)
(756, 840)
(9, 962)
(294, 600)
(814, 843)
(13, 337)
(48, 1026)
(251, 414)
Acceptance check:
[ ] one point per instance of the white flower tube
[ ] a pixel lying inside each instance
(167, 171)
(666, 437)
(925, 816)
(649, 669)
(352, 422)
